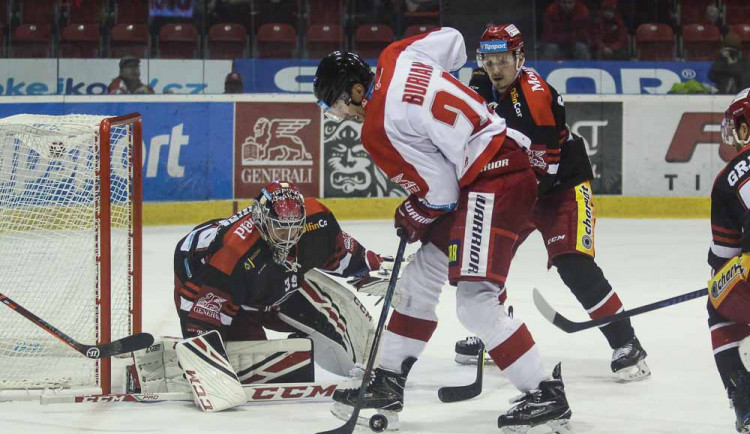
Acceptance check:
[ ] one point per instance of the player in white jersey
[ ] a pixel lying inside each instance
(440, 141)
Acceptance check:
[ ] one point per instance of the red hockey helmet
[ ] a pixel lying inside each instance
(738, 112)
(500, 38)
(279, 213)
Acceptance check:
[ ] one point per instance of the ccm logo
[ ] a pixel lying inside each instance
(291, 392)
(200, 392)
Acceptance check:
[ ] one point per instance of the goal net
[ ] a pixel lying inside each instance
(70, 240)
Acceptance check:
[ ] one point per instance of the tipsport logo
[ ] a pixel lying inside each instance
(493, 46)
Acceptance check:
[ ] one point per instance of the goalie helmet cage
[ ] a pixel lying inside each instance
(70, 245)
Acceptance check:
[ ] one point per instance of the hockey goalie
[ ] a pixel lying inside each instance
(257, 270)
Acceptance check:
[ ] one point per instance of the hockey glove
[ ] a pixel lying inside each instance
(415, 217)
(729, 290)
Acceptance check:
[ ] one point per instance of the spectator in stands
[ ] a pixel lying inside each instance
(233, 83)
(731, 71)
(422, 5)
(129, 80)
(610, 37)
(713, 18)
(565, 32)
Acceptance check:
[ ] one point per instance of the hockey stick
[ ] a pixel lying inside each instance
(462, 393)
(255, 393)
(127, 344)
(350, 424)
(569, 326)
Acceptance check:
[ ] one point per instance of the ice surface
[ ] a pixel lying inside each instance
(644, 260)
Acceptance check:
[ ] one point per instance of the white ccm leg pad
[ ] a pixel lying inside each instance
(274, 361)
(213, 381)
(255, 362)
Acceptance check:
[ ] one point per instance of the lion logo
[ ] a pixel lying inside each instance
(276, 141)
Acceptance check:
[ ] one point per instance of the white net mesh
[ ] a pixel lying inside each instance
(49, 238)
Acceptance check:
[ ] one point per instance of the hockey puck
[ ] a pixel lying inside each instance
(378, 423)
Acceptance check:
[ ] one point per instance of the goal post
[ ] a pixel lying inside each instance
(70, 244)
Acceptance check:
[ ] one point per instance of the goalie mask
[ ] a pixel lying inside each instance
(737, 114)
(279, 214)
(501, 54)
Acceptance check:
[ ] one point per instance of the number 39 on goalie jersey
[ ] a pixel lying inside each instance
(427, 130)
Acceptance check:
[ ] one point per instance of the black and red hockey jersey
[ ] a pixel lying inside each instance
(730, 219)
(534, 108)
(224, 265)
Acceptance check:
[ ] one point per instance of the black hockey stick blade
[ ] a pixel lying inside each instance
(462, 393)
(128, 344)
(569, 326)
(351, 423)
(121, 346)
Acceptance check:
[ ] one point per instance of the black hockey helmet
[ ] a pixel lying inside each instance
(336, 74)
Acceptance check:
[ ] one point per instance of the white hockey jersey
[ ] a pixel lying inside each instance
(424, 128)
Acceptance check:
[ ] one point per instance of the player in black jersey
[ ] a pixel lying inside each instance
(729, 258)
(564, 213)
(244, 273)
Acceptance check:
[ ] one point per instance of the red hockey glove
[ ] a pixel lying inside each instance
(415, 217)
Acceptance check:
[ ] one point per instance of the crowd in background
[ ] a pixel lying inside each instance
(654, 30)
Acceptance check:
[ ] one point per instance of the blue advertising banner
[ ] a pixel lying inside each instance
(569, 77)
(187, 147)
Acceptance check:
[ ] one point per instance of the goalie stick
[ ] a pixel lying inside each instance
(569, 326)
(462, 393)
(125, 345)
(350, 424)
(255, 393)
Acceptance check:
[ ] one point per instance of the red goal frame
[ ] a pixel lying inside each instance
(104, 218)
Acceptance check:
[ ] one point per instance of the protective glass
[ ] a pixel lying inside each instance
(727, 131)
(339, 110)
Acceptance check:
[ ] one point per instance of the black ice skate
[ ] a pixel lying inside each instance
(467, 351)
(384, 395)
(544, 406)
(628, 362)
(739, 393)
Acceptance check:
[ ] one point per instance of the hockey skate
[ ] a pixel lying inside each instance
(543, 410)
(628, 362)
(467, 351)
(384, 399)
(739, 393)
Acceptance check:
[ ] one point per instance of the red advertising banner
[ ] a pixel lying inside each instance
(276, 141)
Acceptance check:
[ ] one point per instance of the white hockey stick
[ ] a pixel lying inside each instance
(285, 392)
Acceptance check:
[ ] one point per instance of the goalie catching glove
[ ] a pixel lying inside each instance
(375, 282)
(729, 290)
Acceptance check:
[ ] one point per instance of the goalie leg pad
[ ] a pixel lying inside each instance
(156, 369)
(274, 361)
(211, 377)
